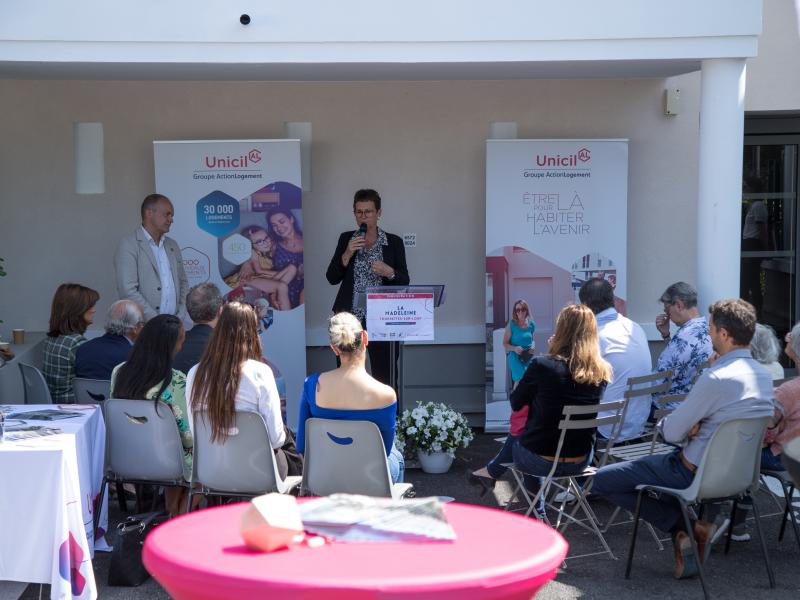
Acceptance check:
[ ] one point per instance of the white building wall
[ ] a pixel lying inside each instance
(421, 144)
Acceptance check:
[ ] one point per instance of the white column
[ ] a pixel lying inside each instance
(720, 179)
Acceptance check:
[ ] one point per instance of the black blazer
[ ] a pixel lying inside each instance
(193, 347)
(394, 255)
(96, 358)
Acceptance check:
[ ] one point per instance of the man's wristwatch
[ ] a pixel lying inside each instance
(665, 337)
(392, 276)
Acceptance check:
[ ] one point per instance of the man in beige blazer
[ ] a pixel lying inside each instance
(148, 264)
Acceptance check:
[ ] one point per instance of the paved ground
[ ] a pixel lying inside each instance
(741, 574)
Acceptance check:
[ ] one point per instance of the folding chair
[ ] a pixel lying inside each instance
(728, 470)
(91, 391)
(34, 385)
(347, 457)
(629, 452)
(573, 419)
(143, 445)
(242, 465)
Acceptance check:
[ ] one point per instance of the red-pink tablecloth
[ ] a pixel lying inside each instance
(201, 556)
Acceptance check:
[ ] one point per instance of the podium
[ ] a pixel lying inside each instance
(397, 313)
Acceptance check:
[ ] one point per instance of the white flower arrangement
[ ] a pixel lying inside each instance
(433, 427)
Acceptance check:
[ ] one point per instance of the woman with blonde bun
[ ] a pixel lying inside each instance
(349, 392)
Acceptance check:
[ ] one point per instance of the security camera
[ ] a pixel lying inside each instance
(244, 19)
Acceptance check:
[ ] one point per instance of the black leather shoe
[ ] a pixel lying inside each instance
(486, 483)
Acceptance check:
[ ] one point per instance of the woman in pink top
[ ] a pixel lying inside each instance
(786, 424)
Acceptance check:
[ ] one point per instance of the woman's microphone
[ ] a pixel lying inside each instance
(362, 231)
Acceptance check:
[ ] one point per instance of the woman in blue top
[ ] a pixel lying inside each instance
(349, 392)
(518, 340)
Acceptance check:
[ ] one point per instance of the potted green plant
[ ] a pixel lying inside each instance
(434, 430)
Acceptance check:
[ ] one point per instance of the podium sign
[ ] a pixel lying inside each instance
(393, 316)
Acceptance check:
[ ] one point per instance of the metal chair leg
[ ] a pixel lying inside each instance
(98, 509)
(690, 532)
(189, 500)
(791, 514)
(763, 546)
(786, 510)
(730, 525)
(633, 537)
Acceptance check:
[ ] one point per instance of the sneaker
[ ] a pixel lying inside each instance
(685, 563)
(565, 496)
(739, 533)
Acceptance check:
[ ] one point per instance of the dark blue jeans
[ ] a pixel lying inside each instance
(770, 462)
(618, 482)
(539, 468)
(505, 456)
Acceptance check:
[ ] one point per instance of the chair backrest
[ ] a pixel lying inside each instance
(779, 382)
(244, 463)
(142, 442)
(91, 391)
(345, 457)
(790, 457)
(34, 384)
(573, 419)
(666, 404)
(731, 463)
(644, 385)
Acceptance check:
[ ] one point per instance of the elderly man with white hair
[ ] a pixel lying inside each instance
(97, 358)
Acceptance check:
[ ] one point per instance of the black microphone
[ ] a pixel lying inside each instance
(362, 231)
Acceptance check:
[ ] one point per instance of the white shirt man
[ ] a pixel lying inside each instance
(623, 344)
(168, 304)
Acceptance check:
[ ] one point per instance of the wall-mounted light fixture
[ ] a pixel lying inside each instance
(89, 163)
(503, 130)
(301, 131)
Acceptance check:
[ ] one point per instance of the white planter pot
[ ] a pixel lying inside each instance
(434, 462)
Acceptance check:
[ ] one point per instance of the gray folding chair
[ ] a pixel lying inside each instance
(574, 419)
(34, 384)
(242, 465)
(347, 457)
(728, 470)
(143, 445)
(91, 391)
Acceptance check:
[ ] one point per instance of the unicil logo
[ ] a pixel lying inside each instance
(233, 162)
(565, 160)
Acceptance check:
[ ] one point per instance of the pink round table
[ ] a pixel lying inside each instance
(201, 556)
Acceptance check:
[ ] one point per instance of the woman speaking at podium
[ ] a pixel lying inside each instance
(364, 258)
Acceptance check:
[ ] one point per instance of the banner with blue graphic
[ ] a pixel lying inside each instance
(239, 222)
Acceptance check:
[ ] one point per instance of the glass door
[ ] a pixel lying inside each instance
(769, 230)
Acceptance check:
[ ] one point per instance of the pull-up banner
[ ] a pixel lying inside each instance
(239, 222)
(556, 215)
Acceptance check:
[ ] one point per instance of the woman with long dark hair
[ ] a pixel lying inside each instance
(231, 376)
(71, 313)
(148, 375)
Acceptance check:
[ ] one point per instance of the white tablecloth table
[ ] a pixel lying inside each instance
(48, 488)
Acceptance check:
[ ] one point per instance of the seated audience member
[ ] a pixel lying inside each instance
(623, 344)
(349, 392)
(148, 375)
(72, 312)
(571, 373)
(97, 358)
(203, 303)
(234, 354)
(766, 349)
(690, 347)
(735, 386)
(786, 421)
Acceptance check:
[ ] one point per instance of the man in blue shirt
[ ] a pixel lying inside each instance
(96, 358)
(690, 347)
(735, 386)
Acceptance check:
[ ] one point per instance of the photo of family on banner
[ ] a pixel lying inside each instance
(396, 313)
